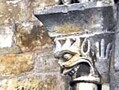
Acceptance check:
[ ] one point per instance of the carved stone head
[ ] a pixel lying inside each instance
(85, 55)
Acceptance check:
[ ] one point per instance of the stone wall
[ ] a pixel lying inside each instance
(26, 55)
(26, 58)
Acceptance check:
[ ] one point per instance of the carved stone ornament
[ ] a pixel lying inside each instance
(83, 35)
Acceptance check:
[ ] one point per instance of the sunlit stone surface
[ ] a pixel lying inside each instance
(6, 36)
(15, 64)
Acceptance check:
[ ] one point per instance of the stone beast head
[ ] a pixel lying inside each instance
(88, 56)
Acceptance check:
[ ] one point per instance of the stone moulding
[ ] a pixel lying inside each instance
(83, 17)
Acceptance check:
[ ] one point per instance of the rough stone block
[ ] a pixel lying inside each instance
(6, 36)
(18, 10)
(52, 82)
(21, 10)
(11, 50)
(44, 3)
(45, 62)
(31, 37)
(14, 64)
(7, 40)
(4, 13)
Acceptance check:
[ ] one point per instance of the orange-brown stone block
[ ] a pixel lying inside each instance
(31, 37)
(14, 64)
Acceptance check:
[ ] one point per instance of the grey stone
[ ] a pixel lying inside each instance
(45, 62)
(76, 14)
(116, 57)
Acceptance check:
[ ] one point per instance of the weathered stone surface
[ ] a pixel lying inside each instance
(68, 28)
(31, 37)
(14, 64)
(114, 72)
(6, 36)
(21, 10)
(7, 39)
(73, 15)
(114, 80)
(11, 50)
(45, 62)
(44, 3)
(18, 10)
(116, 61)
(4, 13)
(52, 82)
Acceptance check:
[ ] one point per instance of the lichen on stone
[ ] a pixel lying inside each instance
(68, 28)
(31, 37)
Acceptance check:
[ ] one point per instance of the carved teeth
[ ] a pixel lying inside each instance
(69, 71)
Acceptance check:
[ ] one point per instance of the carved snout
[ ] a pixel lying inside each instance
(74, 62)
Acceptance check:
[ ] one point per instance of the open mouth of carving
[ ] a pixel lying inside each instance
(80, 67)
(83, 69)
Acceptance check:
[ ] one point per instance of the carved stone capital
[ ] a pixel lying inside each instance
(85, 55)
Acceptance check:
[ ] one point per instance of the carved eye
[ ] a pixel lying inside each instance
(66, 1)
(67, 56)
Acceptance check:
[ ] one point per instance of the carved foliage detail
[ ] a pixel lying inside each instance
(103, 50)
